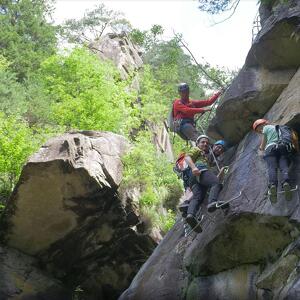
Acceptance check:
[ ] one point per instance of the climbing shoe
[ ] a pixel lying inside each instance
(273, 193)
(183, 207)
(192, 221)
(211, 207)
(287, 191)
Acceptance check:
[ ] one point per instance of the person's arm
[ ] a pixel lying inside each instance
(179, 107)
(262, 143)
(192, 165)
(209, 101)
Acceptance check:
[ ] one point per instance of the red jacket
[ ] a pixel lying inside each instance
(193, 107)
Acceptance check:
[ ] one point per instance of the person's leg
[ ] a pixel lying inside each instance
(196, 199)
(189, 131)
(283, 161)
(272, 164)
(209, 179)
(284, 170)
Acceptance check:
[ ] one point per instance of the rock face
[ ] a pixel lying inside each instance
(271, 62)
(66, 211)
(121, 51)
(21, 279)
(252, 250)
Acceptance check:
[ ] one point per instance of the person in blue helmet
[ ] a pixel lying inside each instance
(216, 155)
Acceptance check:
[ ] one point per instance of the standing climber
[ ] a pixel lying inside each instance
(276, 154)
(201, 179)
(184, 110)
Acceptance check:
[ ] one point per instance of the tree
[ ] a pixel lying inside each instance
(86, 93)
(93, 24)
(27, 37)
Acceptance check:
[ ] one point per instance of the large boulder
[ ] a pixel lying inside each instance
(21, 279)
(277, 45)
(66, 210)
(271, 62)
(250, 96)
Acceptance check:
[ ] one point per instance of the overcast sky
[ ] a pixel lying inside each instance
(225, 44)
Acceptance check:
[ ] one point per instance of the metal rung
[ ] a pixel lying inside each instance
(234, 198)
(291, 190)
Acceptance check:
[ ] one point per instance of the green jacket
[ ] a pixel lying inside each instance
(199, 157)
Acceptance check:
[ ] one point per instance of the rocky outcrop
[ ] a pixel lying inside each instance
(272, 60)
(121, 51)
(251, 94)
(250, 251)
(66, 211)
(21, 279)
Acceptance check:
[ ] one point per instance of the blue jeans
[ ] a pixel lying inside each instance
(277, 157)
(188, 130)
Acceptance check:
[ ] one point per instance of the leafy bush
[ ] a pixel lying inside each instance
(17, 143)
(153, 173)
(87, 93)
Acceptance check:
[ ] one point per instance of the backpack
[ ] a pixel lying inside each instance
(182, 169)
(170, 119)
(288, 137)
(174, 125)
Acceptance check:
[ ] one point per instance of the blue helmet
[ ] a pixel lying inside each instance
(220, 142)
(183, 87)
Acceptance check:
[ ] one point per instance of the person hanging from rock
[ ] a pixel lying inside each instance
(184, 110)
(201, 179)
(277, 146)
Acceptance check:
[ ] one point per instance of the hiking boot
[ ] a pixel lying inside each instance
(183, 207)
(273, 193)
(192, 221)
(287, 191)
(211, 207)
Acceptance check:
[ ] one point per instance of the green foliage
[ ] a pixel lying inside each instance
(215, 7)
(151, 171)
(87, 93)
(146, 38)
(17, 142)
(92, 26)
(26, 36)
(12, 93)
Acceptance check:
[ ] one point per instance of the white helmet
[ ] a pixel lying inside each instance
(202, 136)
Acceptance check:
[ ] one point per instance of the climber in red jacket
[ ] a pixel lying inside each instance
(184, 110)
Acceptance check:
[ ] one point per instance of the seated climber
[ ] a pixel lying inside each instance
(276, 153)
(201, 179)
(184, 110)
(215, 159)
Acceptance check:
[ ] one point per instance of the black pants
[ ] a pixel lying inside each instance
(199, 189)
(277, 157)
(188, 130)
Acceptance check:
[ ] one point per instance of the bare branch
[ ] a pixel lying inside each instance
(220, 84)
(234, 9)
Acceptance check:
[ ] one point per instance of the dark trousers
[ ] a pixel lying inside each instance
(188, 130)
(199, 189)
(277, 157)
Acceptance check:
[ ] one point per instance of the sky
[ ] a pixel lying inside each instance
(225, 44)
